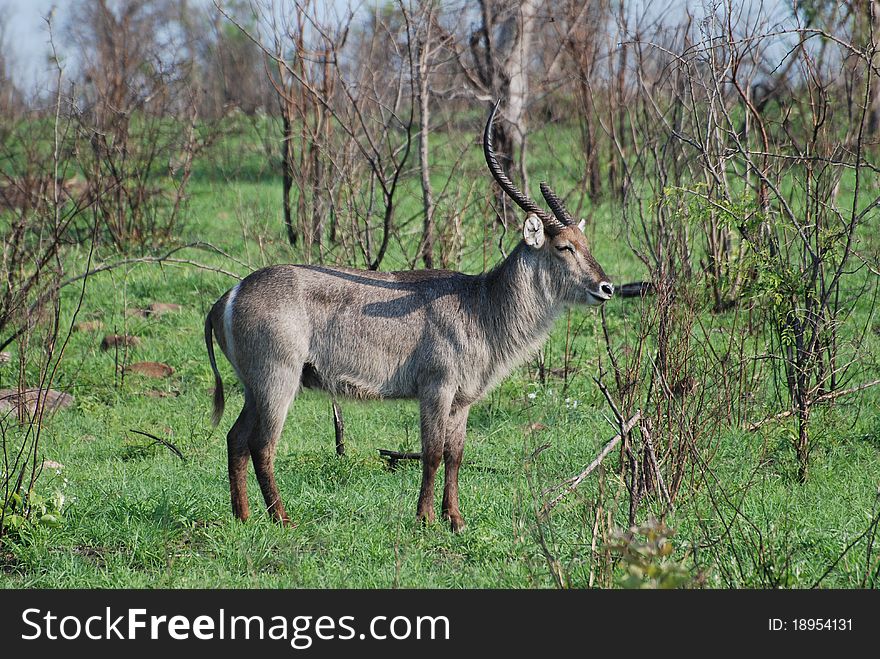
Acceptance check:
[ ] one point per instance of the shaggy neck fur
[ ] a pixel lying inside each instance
(523, 296)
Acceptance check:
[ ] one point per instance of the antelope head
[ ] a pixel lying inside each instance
(556, 238)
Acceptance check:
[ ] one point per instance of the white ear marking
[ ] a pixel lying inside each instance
(582, 224)
(533, 231)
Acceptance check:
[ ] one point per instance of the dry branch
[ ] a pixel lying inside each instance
(165, 258)
(824, 398)
(394, 456)
(570, 484)
(649, 449)
(338, 428)
(159, 440)
(637, 289)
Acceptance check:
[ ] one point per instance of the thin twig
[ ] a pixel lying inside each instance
(570, 484)
(824, 398)
(852, 544)
(649, 449)
(165, 258)
(161, 441)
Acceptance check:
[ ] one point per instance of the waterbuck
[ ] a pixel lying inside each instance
(444, 338)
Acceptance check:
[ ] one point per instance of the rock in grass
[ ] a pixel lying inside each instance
(161, 308)
(150, 369)
(88, 326)
(119, 341)
(51, 464)
(155, 393)
(5, 357)
(11, 400)
(154, 309)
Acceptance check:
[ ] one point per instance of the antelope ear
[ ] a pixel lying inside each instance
(582, 224)
(533, 231)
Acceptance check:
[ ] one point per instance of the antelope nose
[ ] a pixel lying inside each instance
(606, 290)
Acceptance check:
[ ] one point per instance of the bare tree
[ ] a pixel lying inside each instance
(874, 116)
(304, 80)
(424, 27)
(11, 97)
(224, 65)
(371, 101)
(578, 30)
(496, 65)
(134, 76)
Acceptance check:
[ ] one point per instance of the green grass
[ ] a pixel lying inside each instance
(139, 516)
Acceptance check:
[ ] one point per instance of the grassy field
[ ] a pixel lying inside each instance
(137, 515)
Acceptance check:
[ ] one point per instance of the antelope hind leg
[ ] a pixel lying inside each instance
(434, 415)
(263, 441)
(452, 453)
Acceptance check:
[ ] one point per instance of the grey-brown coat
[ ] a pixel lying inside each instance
(444, 338)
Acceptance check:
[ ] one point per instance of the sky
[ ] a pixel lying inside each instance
(27, 36)
(25, 32)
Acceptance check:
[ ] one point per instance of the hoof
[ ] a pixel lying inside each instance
(456, 523)
(425, 514)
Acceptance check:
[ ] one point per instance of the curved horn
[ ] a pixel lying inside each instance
(555, 204)
(551, 224)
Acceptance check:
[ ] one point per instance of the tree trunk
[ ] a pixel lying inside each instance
(427, 193)
(507, 61)
(874, 110)
(287, 176)
(516, 42)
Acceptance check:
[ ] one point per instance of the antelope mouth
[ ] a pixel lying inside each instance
(596, 298)
(602, 294)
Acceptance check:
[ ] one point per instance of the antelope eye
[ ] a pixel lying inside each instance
(565, 248)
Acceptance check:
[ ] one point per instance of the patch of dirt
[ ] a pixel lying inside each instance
(160, 308)
(51, 464)
(150, 369)
(88, 326)
(120, 340)
(154, 309)
(155, 393)
(93, 554)
(11, 400)
(561, 372)
(9, 564)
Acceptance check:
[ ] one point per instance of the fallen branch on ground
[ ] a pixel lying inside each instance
(570, 484)
(394, 456)
(159, 440)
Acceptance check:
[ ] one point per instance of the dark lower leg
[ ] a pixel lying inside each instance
(430, 463)
(262, 446)
(264, 465)
(452, 454)
(451, 511)
(434, 414)
(238, 455)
